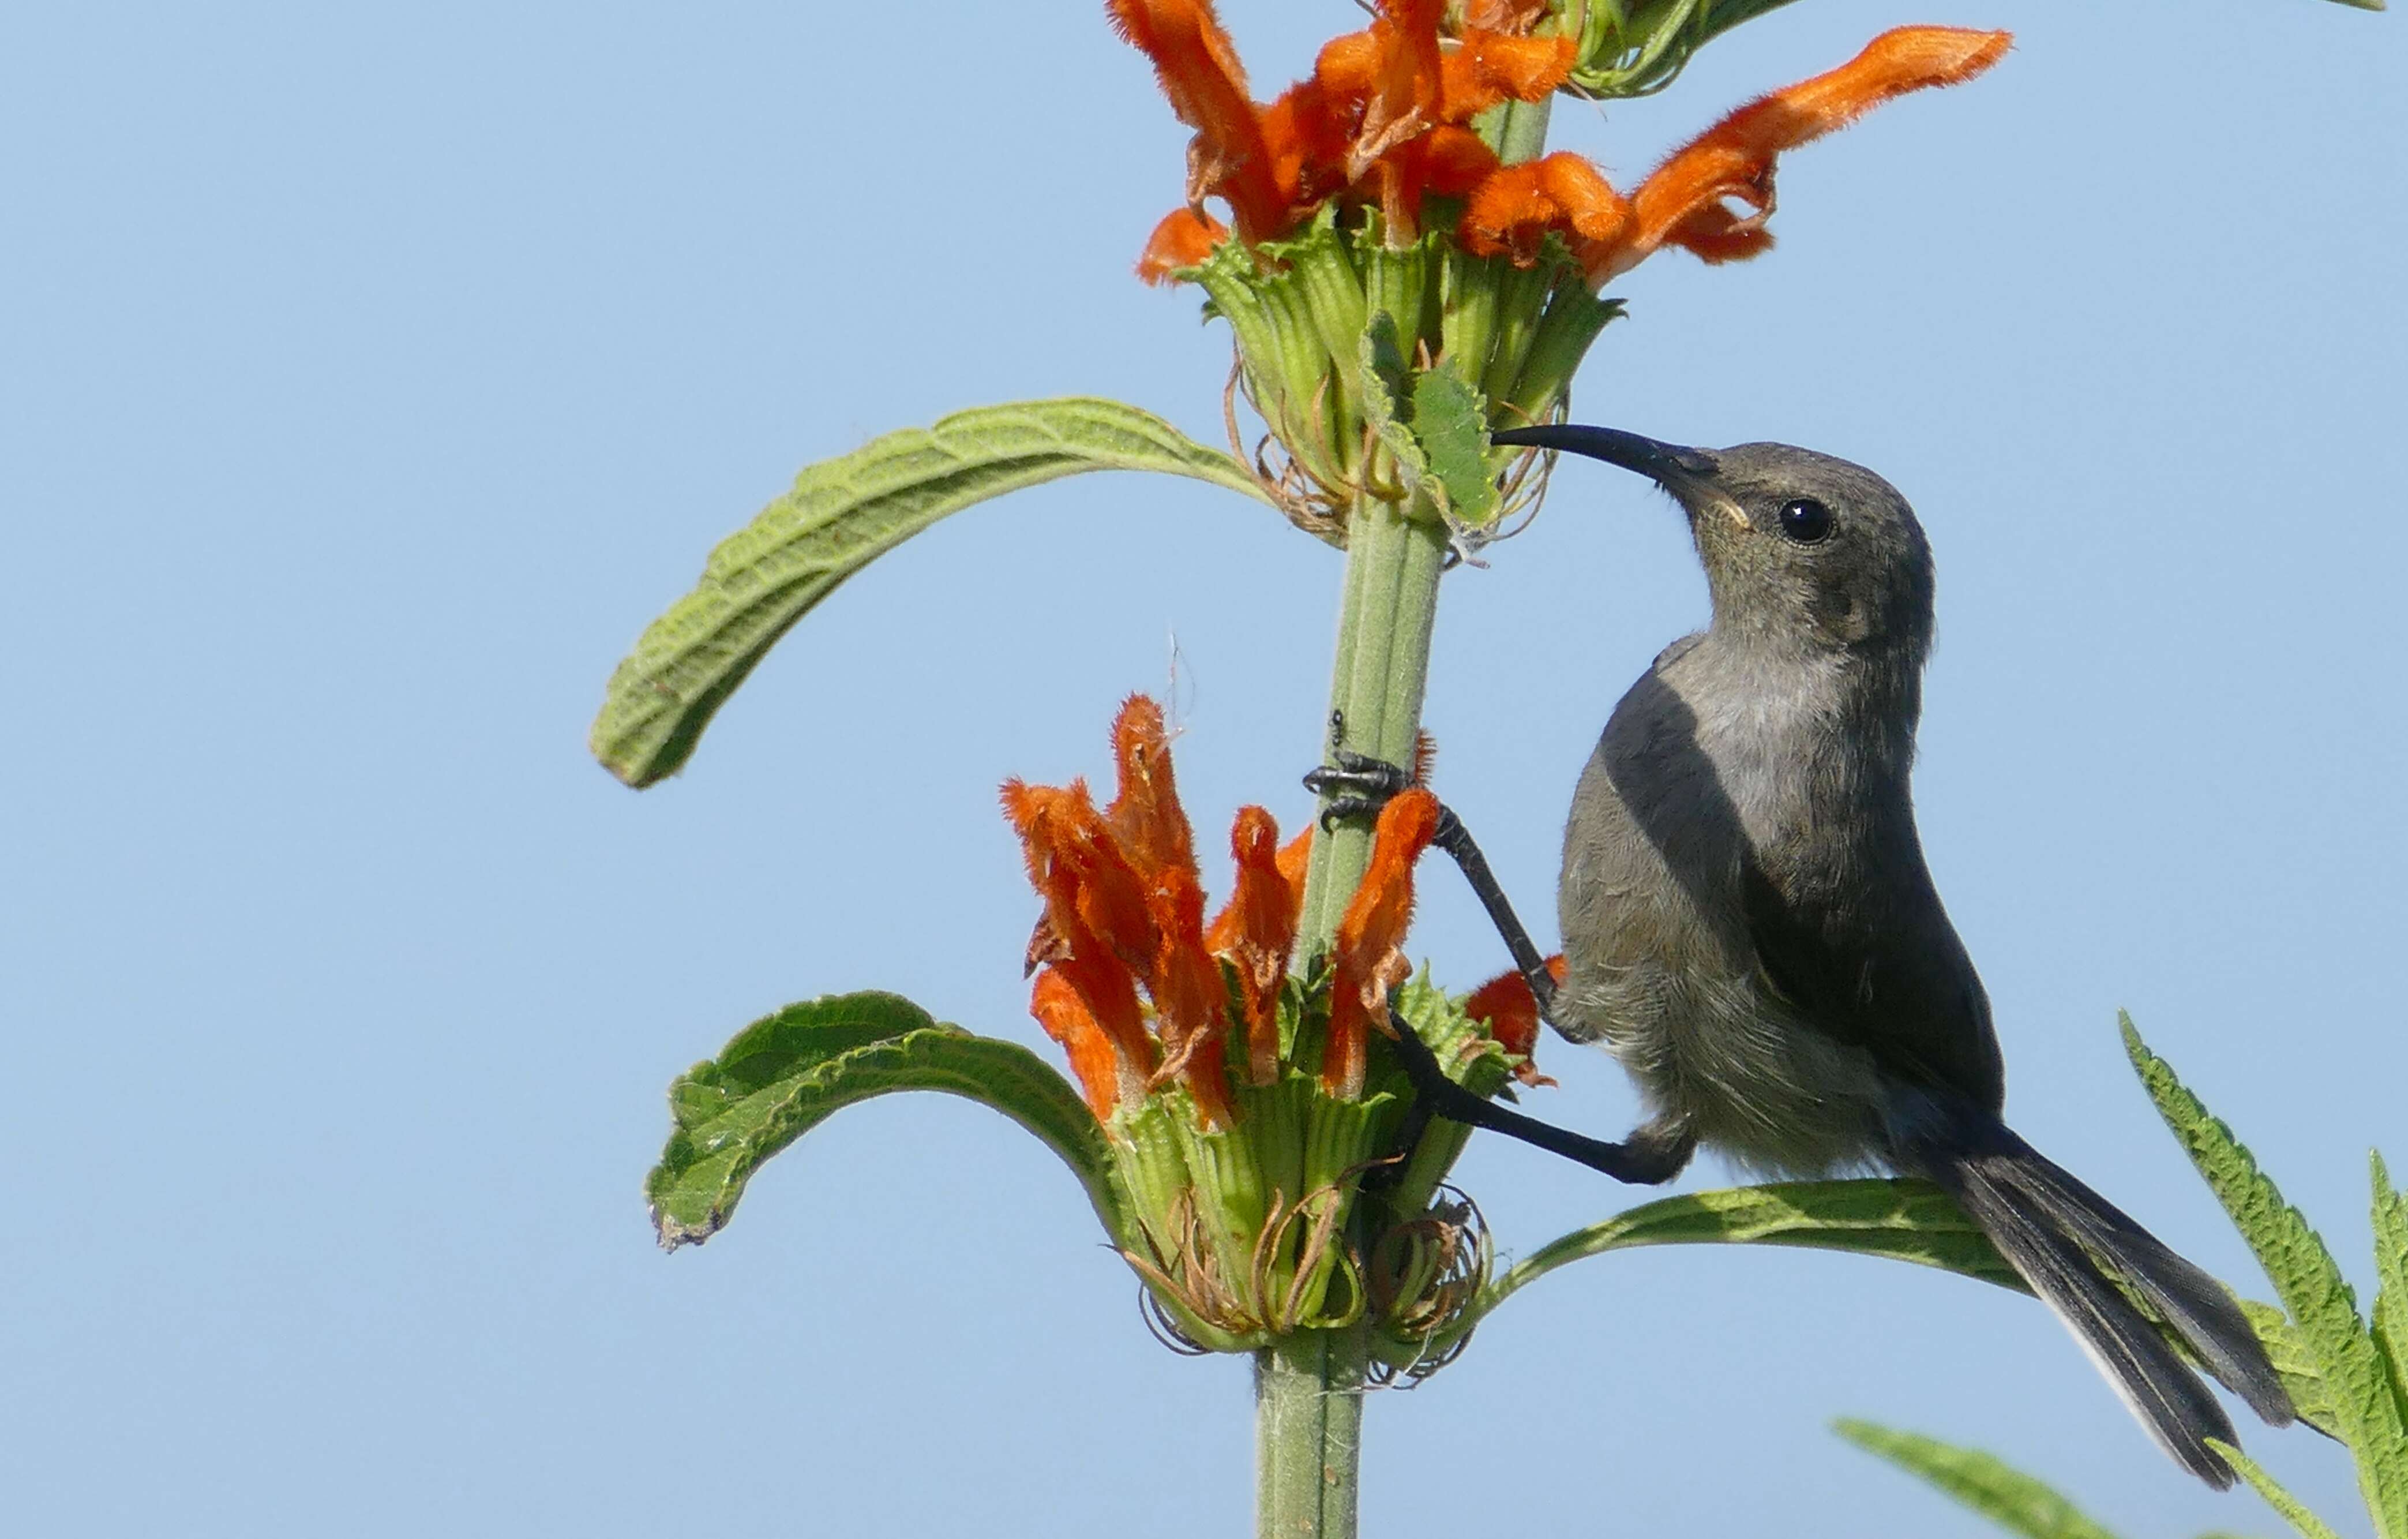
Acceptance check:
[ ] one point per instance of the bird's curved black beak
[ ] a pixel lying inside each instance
(1687, 473)
(1664, 463)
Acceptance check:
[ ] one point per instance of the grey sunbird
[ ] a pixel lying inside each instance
(1749, 925)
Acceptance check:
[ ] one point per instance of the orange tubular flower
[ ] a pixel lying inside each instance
(1095, 909)
(1125, 912)
(1255, 932)
(1103, 1071)
(1199, 72)
(1683, 203)
(1383, 121)
(1145, 818)
(1686, 201)
(1370, 960)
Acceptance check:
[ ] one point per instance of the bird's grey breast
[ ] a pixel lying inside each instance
(1723, 812)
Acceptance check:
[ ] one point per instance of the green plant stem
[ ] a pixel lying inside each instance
(1389, 604)
(1309, 1386)
(1522, 130)
(1309, 1433)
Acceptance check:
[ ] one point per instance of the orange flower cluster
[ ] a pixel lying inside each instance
(1133, 983)
(1385, 119)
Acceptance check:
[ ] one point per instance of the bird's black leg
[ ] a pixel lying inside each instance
(1650, 1156)
(1358, 785)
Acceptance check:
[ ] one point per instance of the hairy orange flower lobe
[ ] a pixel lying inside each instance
(1254, 934)
(1513, 211)
(1488, 67)
(1103, 1071)
(1183, 239)
(1370, 960)
(1683, 203)
(1096, 932)
(1198, 69)
(1510, 1012)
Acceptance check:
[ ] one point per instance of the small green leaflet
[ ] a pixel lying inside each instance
(1434, 424)
(2358, 1383)
(2006, 1496)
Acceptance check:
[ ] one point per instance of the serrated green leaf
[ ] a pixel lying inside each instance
(2391, 1283)
(2293, 1513)
(2366, 1413)
(1451, 422)
(2006, 1496)
(842, 514)
(2288, 1351)
(786, 1073)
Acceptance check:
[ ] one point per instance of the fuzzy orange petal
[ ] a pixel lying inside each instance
(1145, 815)
(1096, 931)
(1735, 158)
(1190, 1000)
(1369, 959)
(1104, 1073)
(1512, 210)
(1394, 77)
(1348, 65)
(1450, 162)
(1184, 239)
(1197, 67)
(1307, 131)
(1294, 860)
(1510, 1012)
(1488, 67)
(1514, 15)
(1254, 934)
(1151, 833)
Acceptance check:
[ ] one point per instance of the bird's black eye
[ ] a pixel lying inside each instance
(1805, 520)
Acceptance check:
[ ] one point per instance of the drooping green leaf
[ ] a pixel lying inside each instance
(2294, 1511)
(2006, 1496)
(1451, 422)
(787, 1072)
(842, 514)
(1902, 1218)
(2306, 1279)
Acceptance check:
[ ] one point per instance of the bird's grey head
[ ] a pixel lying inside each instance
(1800, 548)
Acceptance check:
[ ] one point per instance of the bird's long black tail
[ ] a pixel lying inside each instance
(2059, 1234)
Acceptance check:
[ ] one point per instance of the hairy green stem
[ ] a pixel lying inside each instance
(1389, 604)
(1309, 1385)
(1309, 1433)
(1522, 130)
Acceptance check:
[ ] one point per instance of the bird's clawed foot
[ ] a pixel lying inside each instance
(1358, 786)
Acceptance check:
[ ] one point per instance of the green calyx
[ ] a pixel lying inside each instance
(1634, 48)
(1379, 368)
(1255, 1232)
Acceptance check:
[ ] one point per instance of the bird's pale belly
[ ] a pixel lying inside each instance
(1714, 1052)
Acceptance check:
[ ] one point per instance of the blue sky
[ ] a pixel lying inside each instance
(378, 371)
